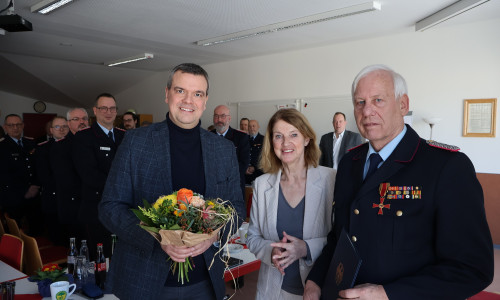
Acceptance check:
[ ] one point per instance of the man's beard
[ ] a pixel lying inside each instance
(220, 127)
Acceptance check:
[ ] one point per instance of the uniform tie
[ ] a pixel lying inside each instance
(20, 143)
(110, 135)
(375, 159)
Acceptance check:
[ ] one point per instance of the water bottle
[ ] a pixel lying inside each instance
(84, 251)
(72, 253)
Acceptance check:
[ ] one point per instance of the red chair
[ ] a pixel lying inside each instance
(11, 251)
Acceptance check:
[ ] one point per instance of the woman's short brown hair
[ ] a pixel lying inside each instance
(269, 162)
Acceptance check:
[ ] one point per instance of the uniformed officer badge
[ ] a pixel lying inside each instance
(443, 146)
(404, 192)
(339, 274)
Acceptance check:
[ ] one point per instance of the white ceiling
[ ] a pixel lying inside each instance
(61, 60)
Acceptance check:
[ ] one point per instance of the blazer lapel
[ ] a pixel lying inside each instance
(161, 144)
(207, 147)
(271, 205)
(314, 196)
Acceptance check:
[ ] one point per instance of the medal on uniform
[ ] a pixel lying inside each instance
(382, 189)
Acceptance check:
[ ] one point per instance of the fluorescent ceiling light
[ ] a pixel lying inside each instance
(313, 19)
(46, 6)
(129, 59)
(447, 13)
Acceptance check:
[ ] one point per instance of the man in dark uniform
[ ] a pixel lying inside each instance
(18, 184)
(58, 130)
(93, 151)
(68, 183)
(256, 140)
(413, 208)
(222, 118)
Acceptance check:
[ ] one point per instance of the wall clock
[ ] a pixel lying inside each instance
(39, 106)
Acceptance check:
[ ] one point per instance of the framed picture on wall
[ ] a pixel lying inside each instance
(479, 117)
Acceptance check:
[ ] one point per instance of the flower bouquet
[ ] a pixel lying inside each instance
(184, 218)
(48, 274)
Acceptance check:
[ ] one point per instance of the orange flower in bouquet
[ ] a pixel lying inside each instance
(185, 218)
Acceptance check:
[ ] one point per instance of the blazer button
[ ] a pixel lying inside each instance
(356, 211)
(333, 204)
(399, 213)
(97, 193)
(354, 238)
(72, 198)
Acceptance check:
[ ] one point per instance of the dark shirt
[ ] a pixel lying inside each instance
(291, 220)
(188, 172)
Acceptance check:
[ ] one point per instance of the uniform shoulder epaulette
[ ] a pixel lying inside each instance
(43, 143)
(2, 139)
(88, 127)
(61, 139)
(356, 147)
(120, 129)
(28, 137)
(443, 146)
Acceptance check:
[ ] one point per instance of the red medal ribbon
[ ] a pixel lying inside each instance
(383, 188)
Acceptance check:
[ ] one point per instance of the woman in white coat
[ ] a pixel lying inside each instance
(291, 211)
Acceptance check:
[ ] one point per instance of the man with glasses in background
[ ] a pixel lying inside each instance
(129, 120)
(58, 130)
(68, 183)
(93, 151)
(18, 184)
(222, 118)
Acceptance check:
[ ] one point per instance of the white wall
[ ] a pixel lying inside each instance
(14, 104)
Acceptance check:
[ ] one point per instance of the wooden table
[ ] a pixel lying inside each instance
(8, 273)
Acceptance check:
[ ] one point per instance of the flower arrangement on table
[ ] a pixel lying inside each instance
(48, 274)
(184, 218)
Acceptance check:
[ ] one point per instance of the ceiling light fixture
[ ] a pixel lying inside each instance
(129, 59)
(46, 6)
(308, 20)
(447, 13)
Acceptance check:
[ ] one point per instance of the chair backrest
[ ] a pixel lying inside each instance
(11, 251)
(12, 225)
(32, 259)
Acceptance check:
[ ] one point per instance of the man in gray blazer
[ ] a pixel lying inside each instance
(157, 160)
(334, 145)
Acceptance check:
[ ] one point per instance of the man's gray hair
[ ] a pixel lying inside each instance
(73, 109)
(399, 82)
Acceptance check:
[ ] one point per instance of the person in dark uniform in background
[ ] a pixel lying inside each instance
(18, 184)
(414, 209)
(93, 151)
(256, 140)
(68, 183)
(58, 130)
(244, 122)
(334, 145)
(222, 118)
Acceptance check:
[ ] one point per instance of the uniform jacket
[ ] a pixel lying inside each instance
(349, 140)
(429, 245)
(142, 170)
(93, 153)
(46, 177)
(17, 170)
(255, 150)
(240, 141)
(68, 183)
(263, 217)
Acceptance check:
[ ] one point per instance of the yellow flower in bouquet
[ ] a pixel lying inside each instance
(184, 218)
